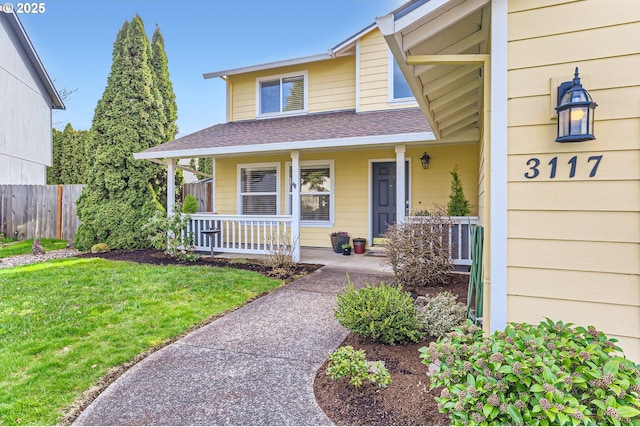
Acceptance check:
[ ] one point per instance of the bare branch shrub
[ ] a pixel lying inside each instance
(418, 249)
(280, 249)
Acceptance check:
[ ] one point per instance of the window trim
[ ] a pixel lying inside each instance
(257, 166)
(390, 80)
(332, 195)
(305, 78)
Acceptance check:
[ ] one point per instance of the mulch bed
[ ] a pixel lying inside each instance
(407, 400)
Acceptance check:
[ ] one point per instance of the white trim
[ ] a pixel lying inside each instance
(498, 208)
(332, 192)
(346, 44)
(401, 188)
(295, 211)
(305, 80)
(357, 141)
(269, 65)
(214, 182)
(391, 99)
(358, 76)
(171, 185)
(257, 166)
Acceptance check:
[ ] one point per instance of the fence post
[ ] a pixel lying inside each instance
(59, 217)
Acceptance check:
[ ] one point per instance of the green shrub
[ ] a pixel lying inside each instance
(382, 313)
(550, 374)
(99, 248)
(441, 314)
(170, 233)
(190, 204)
(458, 203)
(351, 363)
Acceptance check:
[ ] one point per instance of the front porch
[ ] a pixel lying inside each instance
(255, 235)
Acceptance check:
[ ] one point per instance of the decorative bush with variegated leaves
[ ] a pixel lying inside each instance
(549, 374)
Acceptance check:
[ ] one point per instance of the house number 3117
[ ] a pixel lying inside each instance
(534, 166)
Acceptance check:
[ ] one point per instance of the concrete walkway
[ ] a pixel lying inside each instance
(254, 366)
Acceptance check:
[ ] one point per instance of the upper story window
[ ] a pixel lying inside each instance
(278, 95)
(398, 87)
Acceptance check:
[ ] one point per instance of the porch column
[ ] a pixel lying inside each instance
(295, 204)
(400, 184)
(171, 185)
(213, 185)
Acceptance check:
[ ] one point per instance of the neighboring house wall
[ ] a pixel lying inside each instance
(331, 87)
(374, 74)
(25, 115)
(574, 243)
(352, 184)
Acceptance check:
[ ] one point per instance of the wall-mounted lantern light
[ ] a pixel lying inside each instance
(425, 160)
(575, 112)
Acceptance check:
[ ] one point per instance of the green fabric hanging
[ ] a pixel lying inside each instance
(476, 286)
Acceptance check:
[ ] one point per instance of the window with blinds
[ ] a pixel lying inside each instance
(259, 191)
(315, 193)
(282, 95)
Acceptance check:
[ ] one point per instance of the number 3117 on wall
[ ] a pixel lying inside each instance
(534, 166)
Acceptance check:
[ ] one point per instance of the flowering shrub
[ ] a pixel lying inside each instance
(351, 363)
(382, 313)
(550, 374)
(339, 234)
(441, 314)
(170, 233)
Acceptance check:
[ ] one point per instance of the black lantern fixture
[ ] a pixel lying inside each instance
(425, 160)
(575, 112)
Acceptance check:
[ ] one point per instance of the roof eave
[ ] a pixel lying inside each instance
(269, 65)
(324, 144)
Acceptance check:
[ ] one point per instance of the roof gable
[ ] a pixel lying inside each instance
(15, 25)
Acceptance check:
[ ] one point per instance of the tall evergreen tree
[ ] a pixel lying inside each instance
(160, 65)
(120, 192)
(54, 171)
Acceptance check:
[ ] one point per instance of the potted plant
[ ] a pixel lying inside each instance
(339, 238)
(346, 249)
(358, 245)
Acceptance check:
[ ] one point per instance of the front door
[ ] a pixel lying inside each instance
(384, 195)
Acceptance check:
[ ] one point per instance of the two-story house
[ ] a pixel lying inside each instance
(27, 97)
(324, 143)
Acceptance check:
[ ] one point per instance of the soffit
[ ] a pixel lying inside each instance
(442, 48)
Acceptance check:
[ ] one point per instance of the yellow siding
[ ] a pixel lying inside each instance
(331, 87)
(574, 242)
(352, 184)
(374, 74)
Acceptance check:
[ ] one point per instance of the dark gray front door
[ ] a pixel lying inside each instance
(384, 195)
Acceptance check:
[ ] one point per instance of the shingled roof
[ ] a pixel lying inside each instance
(304, 130)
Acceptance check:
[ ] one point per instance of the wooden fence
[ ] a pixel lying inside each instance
(202, 191)
(45, 211)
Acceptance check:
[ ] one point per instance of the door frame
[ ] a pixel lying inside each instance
(408, 183)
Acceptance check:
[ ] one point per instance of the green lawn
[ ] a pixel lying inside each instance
(64, 323)
(24, 246)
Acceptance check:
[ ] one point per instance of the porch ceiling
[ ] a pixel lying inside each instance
(442, 48)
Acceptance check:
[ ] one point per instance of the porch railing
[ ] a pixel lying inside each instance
(459, 236)
(247, 234)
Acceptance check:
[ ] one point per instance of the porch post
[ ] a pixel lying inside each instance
(295, 204)
(400, 184)
(171, 185)
(213, 185)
